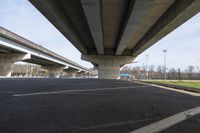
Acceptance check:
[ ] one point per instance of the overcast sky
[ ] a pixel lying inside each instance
(183, 44)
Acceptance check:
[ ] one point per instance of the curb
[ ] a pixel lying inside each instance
(191, 89)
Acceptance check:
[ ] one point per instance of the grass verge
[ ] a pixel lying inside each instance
(193, 86)
(179, 82)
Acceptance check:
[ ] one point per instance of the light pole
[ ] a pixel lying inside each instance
(165, 51)
(147, 71)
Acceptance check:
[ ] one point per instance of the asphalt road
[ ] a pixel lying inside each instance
(88, 106)
(191, 125)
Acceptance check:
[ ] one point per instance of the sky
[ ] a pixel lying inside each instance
(182, 45)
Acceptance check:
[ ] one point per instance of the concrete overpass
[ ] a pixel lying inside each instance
(15, 48)
(111, 33)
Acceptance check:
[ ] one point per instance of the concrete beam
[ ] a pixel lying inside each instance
(132, 21)
(14, 57)
(92, 12)
(108, 66)
(55, 13)
(178, 13)
(110, 51)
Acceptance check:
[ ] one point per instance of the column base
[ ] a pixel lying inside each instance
(108, 73)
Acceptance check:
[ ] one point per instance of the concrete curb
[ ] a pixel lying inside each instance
(191, 89)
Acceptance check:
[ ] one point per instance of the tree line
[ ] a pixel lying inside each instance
(158, 72)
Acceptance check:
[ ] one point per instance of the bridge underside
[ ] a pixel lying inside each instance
(14, 48)
(7, 61)
(9, 56)
(115, 27)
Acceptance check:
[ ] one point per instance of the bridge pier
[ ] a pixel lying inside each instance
(81, 74)
(71, 73)
(88, 74)
(6, 68)
(54, 71)
(7, 61)
(108, 65)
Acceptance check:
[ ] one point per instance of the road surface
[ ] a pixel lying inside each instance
(43, 105)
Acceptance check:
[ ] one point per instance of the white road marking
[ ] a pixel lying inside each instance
(82, 90)
(79, 83)
(72, 83)
(84, 93)
(168, 122)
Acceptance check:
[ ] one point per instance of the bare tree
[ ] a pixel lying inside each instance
(190, 70)
(160, 70)
(198, 69)
(179, 73)
(172, 73)
(135, 71)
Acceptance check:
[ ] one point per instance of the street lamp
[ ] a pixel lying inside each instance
(165, 51)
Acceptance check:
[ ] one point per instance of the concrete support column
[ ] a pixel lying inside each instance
(108, 65)
(54, 71)
(6, 68)
(7, 61)
(109, 71)
(88, 74)
(81, 74)
(71, 73)
(67, 74)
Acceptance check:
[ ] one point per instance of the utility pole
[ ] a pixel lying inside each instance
(165, 51)
(147, 70)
